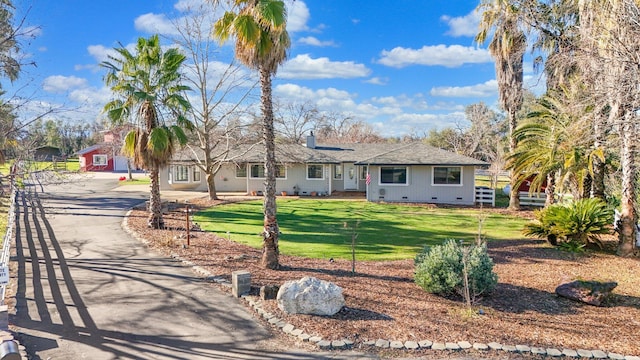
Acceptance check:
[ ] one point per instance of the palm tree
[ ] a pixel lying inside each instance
(148, 90)
(262, 41)
(554, 145)
(507, 46)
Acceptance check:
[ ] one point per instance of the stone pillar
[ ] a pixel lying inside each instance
(240, 282)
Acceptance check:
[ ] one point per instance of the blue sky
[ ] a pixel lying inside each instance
(407, 66)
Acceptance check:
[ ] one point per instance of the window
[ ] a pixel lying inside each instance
(447, 175)
(258, 171)
(363, 172)
(315, 172)
(337, 172)
(99, 160)
(393, 175)
(181, 173)
(196, 174)
(241, 170)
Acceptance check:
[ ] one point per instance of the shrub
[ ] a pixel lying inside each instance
(440, 269)
(581, 222)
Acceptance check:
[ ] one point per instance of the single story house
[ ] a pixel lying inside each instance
(391, 172)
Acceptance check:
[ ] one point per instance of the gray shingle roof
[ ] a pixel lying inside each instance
(362, 154)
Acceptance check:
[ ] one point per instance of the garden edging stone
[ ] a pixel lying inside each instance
(384, 343)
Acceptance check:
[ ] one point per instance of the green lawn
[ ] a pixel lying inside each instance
(316, 228)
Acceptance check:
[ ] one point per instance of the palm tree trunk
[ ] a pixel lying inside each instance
(155, 204)
(514, 196)
(629, 216)
(271, 230)
(211, 186)
(597, 185)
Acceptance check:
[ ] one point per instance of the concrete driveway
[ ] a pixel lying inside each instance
(87, 290)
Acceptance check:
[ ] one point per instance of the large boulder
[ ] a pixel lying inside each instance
(588, 292)
(310, 295)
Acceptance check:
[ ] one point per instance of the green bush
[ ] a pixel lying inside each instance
(440, 269)
(580, 222)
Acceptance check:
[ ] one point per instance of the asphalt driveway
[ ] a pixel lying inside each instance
(88, 290)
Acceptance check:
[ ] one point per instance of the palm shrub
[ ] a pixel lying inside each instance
(440, 269)
(581, 222)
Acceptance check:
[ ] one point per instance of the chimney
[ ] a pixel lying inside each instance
(311, 141)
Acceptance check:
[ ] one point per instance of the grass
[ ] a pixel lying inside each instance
(316, 228)
(69, 165)
(137, 180)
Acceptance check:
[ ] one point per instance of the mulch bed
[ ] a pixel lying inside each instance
(382, 301)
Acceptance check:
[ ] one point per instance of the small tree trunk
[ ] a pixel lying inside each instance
(270, 251)
(155, 204)
(129, 172)
(550, 190)
(211, 186)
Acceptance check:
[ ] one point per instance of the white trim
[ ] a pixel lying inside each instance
(246, 171)
(174, 171)
(95, 156)
(433, 175)
(249, 176)
(335, 166)
(380, 183)
(307, 172)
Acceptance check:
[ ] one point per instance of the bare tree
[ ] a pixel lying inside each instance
(293, 121)
(221, 93)
(335, 128)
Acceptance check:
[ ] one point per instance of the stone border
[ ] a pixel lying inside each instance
(325, 344)
(342, 344)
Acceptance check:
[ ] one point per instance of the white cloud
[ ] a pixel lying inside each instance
(304, 67)
(486, 89)
(96, 98)
(444, 55)
(297, 16)
(428, 121)
(377, 81)
(155, 24)
(463, 25)
(59, 83)
(101, 53)
(313, 41)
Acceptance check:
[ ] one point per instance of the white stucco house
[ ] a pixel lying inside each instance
(400, 172)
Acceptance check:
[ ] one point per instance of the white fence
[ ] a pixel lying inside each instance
(532, 199)
(485, 195)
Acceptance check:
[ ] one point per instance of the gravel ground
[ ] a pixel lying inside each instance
(383, 302)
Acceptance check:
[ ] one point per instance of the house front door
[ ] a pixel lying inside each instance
(350, 176)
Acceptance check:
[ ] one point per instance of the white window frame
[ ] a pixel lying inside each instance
(314, 178)
(241, 167)
(100, 163)
(264, 170)
(196, 174)
(363, 172)
(433, 175)
(184, 170)
(337, 172)
(406, 180)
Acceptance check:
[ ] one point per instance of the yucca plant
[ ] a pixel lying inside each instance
(581, 222)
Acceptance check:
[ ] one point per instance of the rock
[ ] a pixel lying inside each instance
(269, 292)
(310, 295)
(589, 292)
